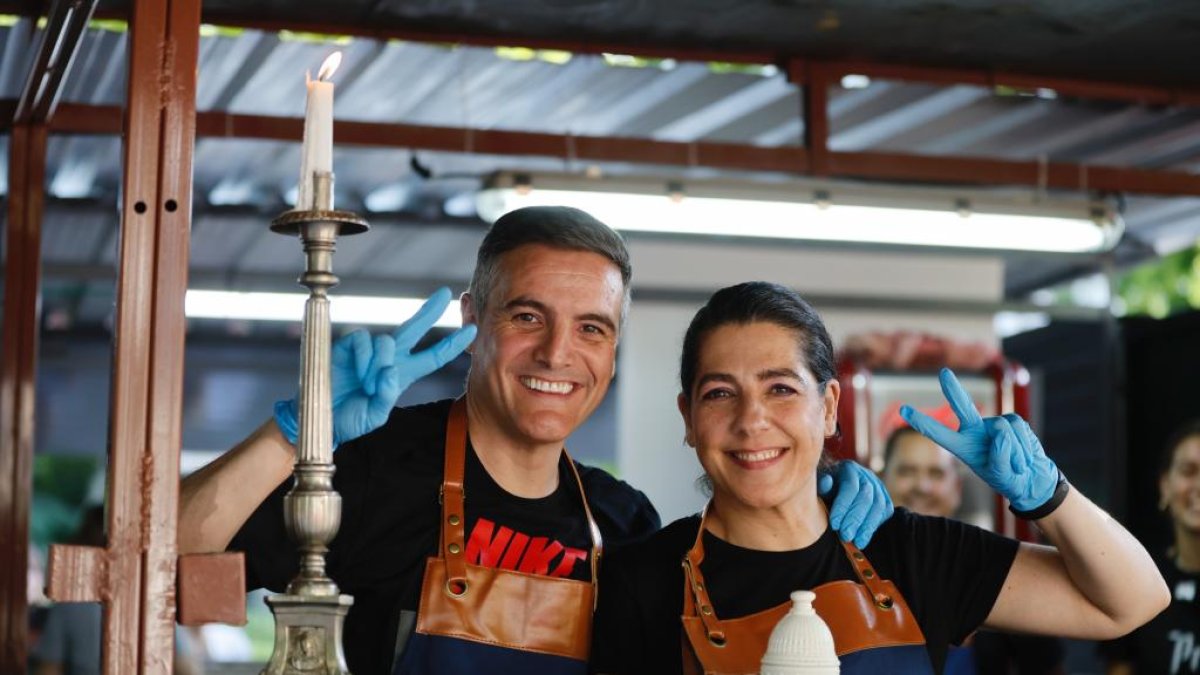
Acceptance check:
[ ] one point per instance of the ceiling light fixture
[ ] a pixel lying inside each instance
(351, 309)
(820, 211)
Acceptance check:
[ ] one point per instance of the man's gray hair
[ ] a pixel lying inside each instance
(554, 226)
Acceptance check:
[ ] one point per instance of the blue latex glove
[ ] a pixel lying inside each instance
(368, 375)
(862, 503)
(1003, 451)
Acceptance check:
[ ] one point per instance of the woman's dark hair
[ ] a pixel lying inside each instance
(1181, 434)
(752, 302)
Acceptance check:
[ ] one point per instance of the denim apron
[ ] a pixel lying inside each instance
(873, 629)
(474, 619)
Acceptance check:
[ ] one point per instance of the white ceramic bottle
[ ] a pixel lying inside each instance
(801, 643)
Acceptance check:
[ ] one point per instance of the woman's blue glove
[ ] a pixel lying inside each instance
(368, 375)
(862, 503)
(1003, 451)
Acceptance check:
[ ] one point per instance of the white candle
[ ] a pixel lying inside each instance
(317, 153)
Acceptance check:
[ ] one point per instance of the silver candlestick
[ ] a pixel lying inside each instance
(308, 618)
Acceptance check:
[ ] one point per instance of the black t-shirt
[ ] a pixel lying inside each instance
(1170, 643)
(389, 481)
(949, 574)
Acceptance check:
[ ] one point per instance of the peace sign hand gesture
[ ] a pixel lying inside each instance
(1003, 450)
(369, 373)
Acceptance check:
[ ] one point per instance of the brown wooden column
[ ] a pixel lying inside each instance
(148, 356)
(18, 371)
(66, 21)
(135, 575)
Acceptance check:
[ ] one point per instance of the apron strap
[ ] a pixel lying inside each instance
(696, 601)
(453, 496)
(593, 529)
(695, 592)
(867, 575)
(454, 517)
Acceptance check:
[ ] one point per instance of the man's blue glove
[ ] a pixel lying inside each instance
(862, 503)
(368, 375)
(1003, 451)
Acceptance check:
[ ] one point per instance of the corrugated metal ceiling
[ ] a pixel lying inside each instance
(241, 182)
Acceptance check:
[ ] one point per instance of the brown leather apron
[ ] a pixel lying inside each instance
(517, 616)
(870, 621)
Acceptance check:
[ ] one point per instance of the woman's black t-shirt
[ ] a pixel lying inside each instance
(949, 573)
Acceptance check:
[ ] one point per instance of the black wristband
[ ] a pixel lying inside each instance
(1056, 500)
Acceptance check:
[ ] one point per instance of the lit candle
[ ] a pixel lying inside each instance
(317, 154)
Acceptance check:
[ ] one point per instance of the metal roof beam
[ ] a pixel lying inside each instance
(66, 22)
(991, 79)
(73, 118)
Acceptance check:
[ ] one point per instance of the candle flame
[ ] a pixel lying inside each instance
(329, 67)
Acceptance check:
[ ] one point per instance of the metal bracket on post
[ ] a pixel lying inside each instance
(309, 617)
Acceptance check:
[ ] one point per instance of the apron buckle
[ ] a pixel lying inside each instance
(456, 588)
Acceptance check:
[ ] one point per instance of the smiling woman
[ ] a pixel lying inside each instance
(758, 398)
(1168, 644)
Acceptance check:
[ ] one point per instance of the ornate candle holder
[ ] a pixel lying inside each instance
(308, 618)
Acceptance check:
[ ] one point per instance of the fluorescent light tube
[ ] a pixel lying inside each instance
(352, 309)
(1053, 228)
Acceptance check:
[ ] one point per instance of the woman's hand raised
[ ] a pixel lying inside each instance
(1001, 450)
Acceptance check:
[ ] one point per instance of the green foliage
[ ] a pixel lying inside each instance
(1163, 287)
(553, 56)
(65, 477)
(315, 38)
(725, 67)
(60, 486)
(110, 25)
(631, 61)
(52, 520)
(209, 30)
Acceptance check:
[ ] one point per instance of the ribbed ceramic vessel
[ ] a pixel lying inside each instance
(801, 643)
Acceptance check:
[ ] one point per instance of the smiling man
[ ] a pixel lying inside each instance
(920, 475)
(469, 540)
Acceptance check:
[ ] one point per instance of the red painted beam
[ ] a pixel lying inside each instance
(72, 118)
(75, 118)
(18, 379)
(1128, 92)
(982, 171)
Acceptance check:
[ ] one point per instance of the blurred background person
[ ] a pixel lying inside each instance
(1168, 643)
(924, 478)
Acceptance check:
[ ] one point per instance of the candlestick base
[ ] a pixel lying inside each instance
(308, 635)
(293, 222)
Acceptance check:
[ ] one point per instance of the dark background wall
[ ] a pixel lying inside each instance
(1162, 360)
(1075, 366)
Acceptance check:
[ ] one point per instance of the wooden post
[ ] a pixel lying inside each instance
(18, 370)
(137, 570)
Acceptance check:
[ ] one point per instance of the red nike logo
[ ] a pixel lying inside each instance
(489, 546)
